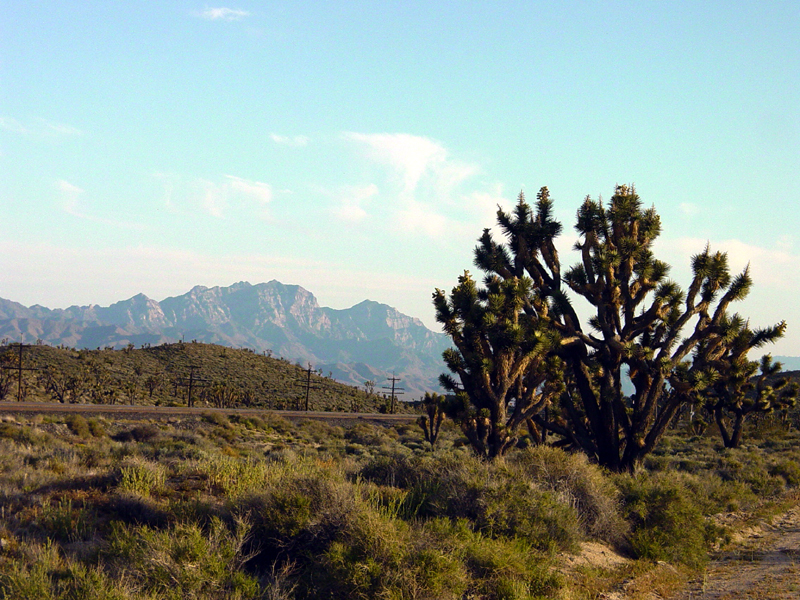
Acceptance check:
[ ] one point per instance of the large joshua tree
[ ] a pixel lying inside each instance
(640, 320)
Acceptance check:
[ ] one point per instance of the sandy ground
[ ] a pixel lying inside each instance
(762, 563)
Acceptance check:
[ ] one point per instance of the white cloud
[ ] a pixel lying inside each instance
(251, 190)
(688, 209)
(212, 198)
(409, 155)
(215, 198)
(224, 14)
(69, 197)
(352, 199)
(297, 141)
(425, 193)
(418, 217)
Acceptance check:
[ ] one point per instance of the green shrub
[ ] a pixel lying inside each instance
(788, 470)
(666, 522)
(577, 483)
(216, 418)
(139, 433)
(66, 523)
(496, 500)
(78, 426)
(141, 477)
(183, 561)
(96, 428)
(41, 573)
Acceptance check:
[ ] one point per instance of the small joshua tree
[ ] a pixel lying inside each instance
(434, 407)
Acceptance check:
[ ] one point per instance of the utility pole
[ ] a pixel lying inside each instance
(192, 381)
(306, 382)
(19, 369)
(394, 380)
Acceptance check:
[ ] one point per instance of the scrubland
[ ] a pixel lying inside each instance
(217, 507)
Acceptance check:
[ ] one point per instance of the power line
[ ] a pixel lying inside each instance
(394, 380)
(306, 382)
(192, 382)
(19, 369)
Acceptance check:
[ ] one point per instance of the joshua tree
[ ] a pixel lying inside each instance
(434, 405)
(641, 321)
(503, 360)
(734, 386)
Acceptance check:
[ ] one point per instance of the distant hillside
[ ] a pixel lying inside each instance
(369, 341)
(159, 375)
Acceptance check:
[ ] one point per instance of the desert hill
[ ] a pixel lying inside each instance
(158, 375)
(369, 341)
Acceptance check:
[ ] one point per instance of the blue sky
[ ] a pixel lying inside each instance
(358, 149)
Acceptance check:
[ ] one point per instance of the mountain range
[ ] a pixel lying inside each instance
(369, 341)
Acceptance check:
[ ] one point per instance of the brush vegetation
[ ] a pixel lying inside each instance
(259, 507)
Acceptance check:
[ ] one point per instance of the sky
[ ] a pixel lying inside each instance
(358, 149)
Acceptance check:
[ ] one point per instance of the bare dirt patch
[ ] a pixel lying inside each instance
(763, 562)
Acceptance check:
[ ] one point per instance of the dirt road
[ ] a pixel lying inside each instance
(763, 564)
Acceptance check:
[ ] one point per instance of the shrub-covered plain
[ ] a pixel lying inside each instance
(265, 508)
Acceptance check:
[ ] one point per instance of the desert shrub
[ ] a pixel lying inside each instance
(140, 477)
(66, 522)
(23, 434)
(41, 573)
(78, 426)
(497, 501)
(713, 495)
(319, 431)
(366, 434)
(134, 510)
(666, 522)
(397, 470)
(234, 477)
(277, 423)
(216, 418)
(96, 428)
(496, 568)
(788, 470)
(578, 483)
(183, 561)
(139, 433)
(750, 468)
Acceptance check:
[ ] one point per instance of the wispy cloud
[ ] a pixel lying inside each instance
(352, 200)
(224, 14)
(69, 196)
(214, 197)
(296, 141)
(39, 127)
(11, 124)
